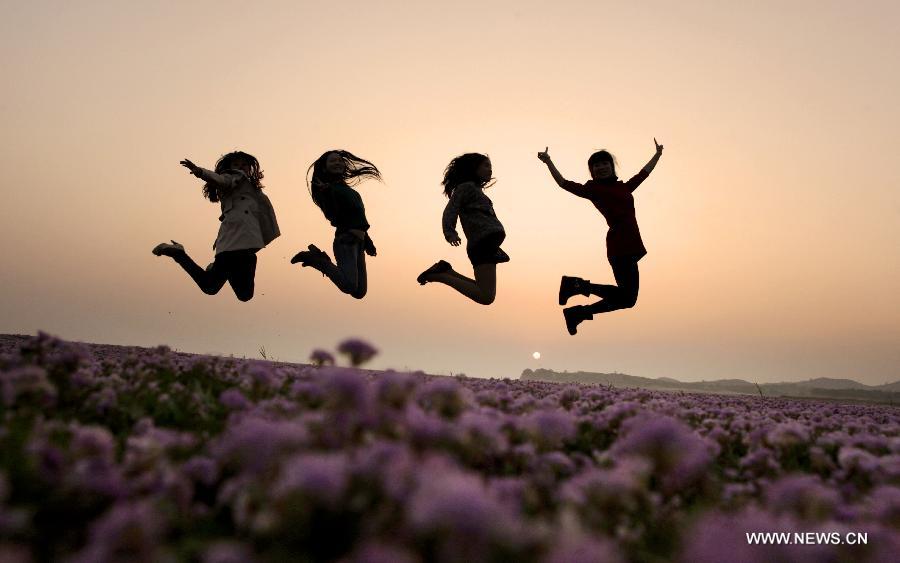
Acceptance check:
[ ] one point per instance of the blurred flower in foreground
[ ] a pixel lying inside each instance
(679, 457)
(357, 350)
(320, 357)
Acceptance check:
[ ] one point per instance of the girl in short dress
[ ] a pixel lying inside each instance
(624, 247)
(465, 180)
(247, 225)
(333, 175)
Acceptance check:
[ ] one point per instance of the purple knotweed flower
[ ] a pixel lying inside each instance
(320, 477)
(855, 459)
(203, 470)
(444, 397)
(820, 461)
(357, 350)
(234, 399)
(389, 464)
(568, 396)
(607, 499)
(393, 389)
(254, 443)
(735, 492)
(93, 441)
(228, 551)
(320, 357)
(263, 376)
(488, 398)
(716, 537)
(550, 429)
(804, 496)
(375, 552)
(510, 491)
(788, 434)
(346, 389)
(484, 429)
(555, 465)
(457, 506)
(883, 505)
(135, 528)
(425, 430)
(162, 438)
(760, 462)
(83, 377)
(680, 457)
(27, 381)
(584, 549)
(890, 468)
(96, 477)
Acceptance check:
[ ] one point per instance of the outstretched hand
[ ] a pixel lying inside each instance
(544, 156)
(195, 170)
(659, 148)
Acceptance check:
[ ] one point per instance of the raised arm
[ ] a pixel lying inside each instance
(223, 181)
(635, 181)
(571, 187)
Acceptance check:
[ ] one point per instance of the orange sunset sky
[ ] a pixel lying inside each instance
(772, 220)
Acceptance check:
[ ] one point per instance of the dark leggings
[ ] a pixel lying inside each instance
(237, 267)
(624, 294)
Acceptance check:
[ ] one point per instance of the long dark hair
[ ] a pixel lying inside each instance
(604, 156)
(462, 169)
(229, 162)
(356, 170)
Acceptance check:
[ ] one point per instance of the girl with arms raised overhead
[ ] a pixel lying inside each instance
(333, 174)
(465, 180)
(247, 225)
(624, 247)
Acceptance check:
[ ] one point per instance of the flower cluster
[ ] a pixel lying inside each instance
(114, 453)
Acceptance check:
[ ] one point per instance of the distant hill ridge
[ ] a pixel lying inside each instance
(821, 387)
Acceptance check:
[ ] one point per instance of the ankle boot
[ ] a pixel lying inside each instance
(571, 286)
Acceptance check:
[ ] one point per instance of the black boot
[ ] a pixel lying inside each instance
(575, 315)
(174, 250)
(439, 267)
(570, 286)
(314, 258)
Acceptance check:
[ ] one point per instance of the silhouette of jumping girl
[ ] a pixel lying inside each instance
(464, 182)
(247, 225)
(624, 247)
(333, 174)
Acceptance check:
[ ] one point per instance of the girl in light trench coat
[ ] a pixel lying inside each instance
(247, 225)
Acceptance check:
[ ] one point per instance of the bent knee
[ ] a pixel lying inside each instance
(486, 299)
(210, 290)
(358, 294)
(245, 294)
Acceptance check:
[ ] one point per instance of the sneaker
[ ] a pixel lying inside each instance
(574, 316)
(166, 249)
(311, 257)
(570, 286)
(439, 267)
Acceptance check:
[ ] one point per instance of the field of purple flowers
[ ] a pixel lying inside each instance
(151, 455)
